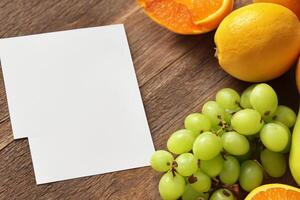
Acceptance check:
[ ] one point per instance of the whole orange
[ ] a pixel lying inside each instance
(293, 5)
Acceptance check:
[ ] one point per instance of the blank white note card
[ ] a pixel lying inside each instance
(74, 94)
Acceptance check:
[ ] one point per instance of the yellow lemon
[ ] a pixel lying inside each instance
(258, 42)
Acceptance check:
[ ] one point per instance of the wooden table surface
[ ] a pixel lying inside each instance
(176, 75)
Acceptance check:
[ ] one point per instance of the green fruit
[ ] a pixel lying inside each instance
(214, 112)
(187, 164)
(263, 98)
(222, 194)
(207, 145)
(191, 194)
(171, 187)
(161, 161)
(294, 159)
(228, 98)
(245, 98)
(275, 137)
(181, 141)
(273, 163)
(235, 143)
(251, 175)
(247, 122)
(197, 123)
(200, 181)
(231, 171)
(212, 167)
(285, 115)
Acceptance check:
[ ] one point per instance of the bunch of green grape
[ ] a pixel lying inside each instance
(236, 139)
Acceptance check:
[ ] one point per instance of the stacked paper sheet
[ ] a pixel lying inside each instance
(74, 94)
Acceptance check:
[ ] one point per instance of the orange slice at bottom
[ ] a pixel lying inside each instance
(274, 192)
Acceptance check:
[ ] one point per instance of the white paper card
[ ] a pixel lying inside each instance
(74, 94)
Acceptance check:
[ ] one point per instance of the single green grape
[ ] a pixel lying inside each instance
(200, 181)
(212, 167)
(197, 123)
(251, 175)
(285, 115)
(235, 143)
(207, 145)
(231, 170)
(247, 122)
(274, 136)
(228, 99)
(181, 141)
(171, 187)
(274, 163)
(161, 161)
(214, 112)
(187, 164)
(263, 98)
(222, 194)
(191, 194)
(245, 97)
(288, 146)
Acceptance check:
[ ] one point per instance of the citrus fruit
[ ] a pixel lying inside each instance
(187, 16)
(293, 5)
(274, 192)
(258, 42)
(209, 14)
(294, 159)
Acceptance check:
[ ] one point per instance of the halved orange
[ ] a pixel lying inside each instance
(187, 16)
(208, 11)
(172, 15)
(274, 192)
(214, 14)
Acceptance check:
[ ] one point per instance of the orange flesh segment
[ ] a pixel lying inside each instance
(172, 14)
(204, 8)
(277, 194)
(187, 3)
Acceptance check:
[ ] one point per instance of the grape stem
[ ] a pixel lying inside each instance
(223, 154)
(224, 126)
(192, 179)
(173, 169)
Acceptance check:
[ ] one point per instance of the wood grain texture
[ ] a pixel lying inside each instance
(176, 74)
